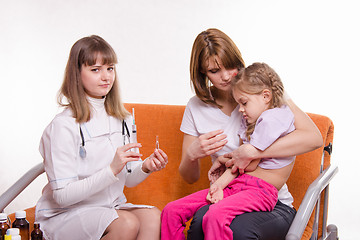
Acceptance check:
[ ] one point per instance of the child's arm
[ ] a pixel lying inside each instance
(220, 182)
(216, 189)
(217, 169)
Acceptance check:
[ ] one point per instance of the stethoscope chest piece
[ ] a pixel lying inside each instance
(82, 152)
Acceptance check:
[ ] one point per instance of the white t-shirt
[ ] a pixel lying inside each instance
(83, 193)
(200, 118)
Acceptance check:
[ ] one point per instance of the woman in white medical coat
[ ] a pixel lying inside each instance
(89, 158)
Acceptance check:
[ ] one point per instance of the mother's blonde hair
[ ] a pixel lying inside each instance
(85, 52)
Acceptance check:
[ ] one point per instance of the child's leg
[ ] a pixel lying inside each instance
(247, 194)
(177, 213)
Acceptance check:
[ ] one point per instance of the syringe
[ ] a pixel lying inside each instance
(134, 134)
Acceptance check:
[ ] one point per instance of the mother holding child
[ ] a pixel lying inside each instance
(249, 126)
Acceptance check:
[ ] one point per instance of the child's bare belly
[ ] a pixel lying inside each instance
(276, 177)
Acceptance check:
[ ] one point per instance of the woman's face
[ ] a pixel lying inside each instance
(97, 79)
(218, 75)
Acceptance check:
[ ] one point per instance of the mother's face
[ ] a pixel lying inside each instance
(219, 76)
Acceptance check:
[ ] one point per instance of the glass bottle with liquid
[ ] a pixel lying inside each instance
(4, 225)
(21, 223)
(36, 234)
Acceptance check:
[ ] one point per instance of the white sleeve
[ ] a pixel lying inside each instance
(59, 147)
(77, 191)
(271, 125)
(188, 122)
(137, 175)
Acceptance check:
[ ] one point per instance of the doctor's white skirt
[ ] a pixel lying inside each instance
(82, 223)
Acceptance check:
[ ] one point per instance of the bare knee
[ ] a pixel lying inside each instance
(125, 223)
(154, 213)
(150, 223)
(153, 218)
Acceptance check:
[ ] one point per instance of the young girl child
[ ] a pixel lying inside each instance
(259, 93)
(88, 157)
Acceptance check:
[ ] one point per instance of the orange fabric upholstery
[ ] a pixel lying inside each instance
(167, 185)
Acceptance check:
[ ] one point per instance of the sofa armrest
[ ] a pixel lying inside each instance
(308, 203)
(20, 185)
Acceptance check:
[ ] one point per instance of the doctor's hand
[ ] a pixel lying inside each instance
(206, 144)
(123, 156)
(155, 162)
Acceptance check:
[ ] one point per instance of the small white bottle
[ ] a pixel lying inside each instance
(14, 233)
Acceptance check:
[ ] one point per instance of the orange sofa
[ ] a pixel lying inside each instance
(167, 185)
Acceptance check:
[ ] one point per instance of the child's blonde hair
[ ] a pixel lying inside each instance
(254, 79)
(85, 52)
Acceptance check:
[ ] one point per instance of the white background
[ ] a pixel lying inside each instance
(313, 45)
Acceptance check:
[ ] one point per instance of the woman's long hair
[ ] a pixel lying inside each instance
(211, 43)
(85, 52)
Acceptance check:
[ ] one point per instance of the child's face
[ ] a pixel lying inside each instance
(218, 75)
(251, 105)
(97, 79)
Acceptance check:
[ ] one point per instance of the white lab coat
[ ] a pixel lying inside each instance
(92, 191)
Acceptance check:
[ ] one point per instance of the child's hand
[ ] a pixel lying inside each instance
(216, 170)
(215, 194)
(155, 162)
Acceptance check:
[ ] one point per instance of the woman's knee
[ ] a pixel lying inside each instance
(152, 218)
(154, 213)
(125, 223)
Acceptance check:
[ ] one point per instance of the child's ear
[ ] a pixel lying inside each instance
(267, 96)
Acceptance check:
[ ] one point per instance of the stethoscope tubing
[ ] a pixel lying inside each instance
(82, 151)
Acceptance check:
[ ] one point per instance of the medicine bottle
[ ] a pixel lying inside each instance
(21, 223)
(13, 233)
(36, 234)
(4, 225)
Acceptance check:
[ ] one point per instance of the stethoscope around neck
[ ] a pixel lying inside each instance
(126, 138)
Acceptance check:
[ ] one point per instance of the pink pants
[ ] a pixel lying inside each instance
(244, 194)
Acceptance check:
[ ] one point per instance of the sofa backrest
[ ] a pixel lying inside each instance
(166, 185)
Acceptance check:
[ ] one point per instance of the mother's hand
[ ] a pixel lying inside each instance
(241, 157)
(207, 144)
